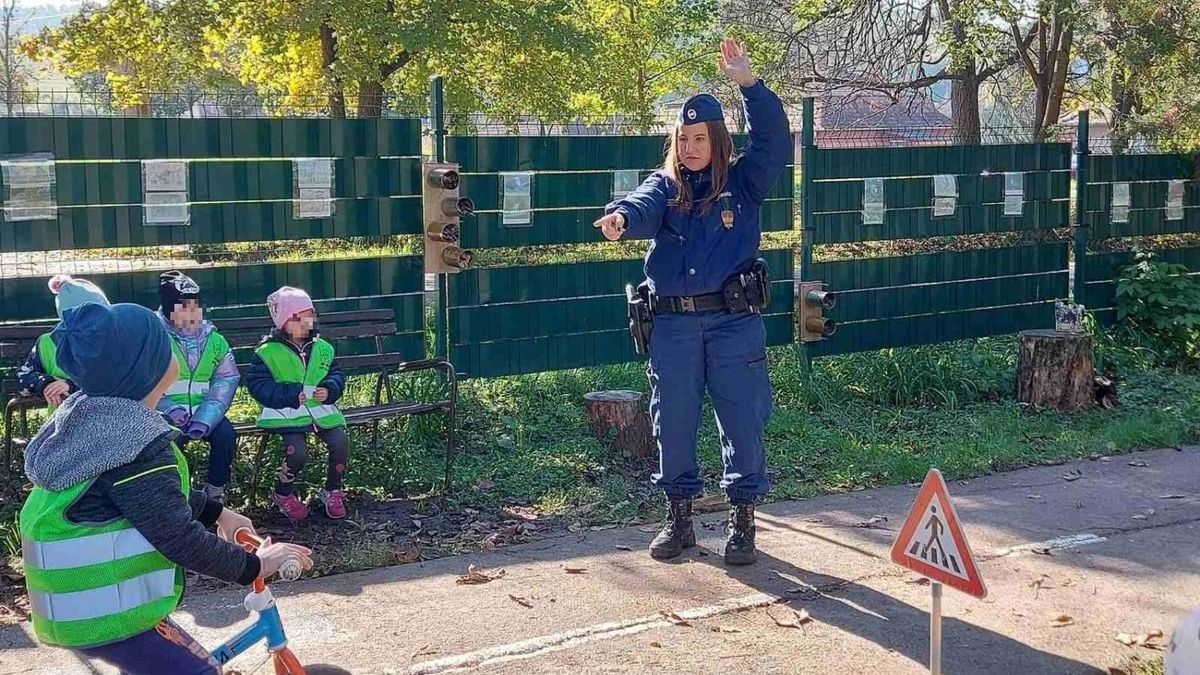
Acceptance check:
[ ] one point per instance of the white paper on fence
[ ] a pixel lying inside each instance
(165, 175)
(873, 201)
(944, 206)
(624, 182)
(314, 203)
(945, 185)
(162, 208)
(33, 173)
(314, 173)
(1014, 205)
(1014, 183)
(1120, 194)
(1120, 214)
(516, 188)
(1175, 200)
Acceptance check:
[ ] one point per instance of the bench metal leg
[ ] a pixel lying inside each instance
(254, 473)
(8, 434)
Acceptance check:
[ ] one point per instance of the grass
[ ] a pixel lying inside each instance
(841, 424)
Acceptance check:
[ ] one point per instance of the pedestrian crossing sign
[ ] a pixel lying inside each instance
(931, 542)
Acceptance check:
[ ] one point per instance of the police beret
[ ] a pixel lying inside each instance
(700, 108)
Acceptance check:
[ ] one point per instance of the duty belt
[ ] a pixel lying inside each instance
(688, 304)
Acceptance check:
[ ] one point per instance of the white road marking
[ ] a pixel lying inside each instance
(1070, 541)
(533, 647)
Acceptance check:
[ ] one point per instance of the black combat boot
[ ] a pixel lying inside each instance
(677, 533)
(739, 548)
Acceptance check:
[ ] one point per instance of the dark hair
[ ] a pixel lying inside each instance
(722, 156)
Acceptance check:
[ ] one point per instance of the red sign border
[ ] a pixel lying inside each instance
(935, 485)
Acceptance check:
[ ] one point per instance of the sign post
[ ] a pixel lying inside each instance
(931, 543)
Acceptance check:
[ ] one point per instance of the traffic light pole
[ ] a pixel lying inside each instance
(437, 120)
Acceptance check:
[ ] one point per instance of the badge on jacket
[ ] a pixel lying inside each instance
(727, 212)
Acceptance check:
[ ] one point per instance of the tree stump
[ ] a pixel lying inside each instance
(624, 412)
(1054, 370)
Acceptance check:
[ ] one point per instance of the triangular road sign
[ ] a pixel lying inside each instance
(931, 542)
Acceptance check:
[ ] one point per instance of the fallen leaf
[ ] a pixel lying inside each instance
(674, 618)
(1106, 459)
(1140, 463)
(1141, 639)
(1073, 474)
(1172, 496)
(725, 629)
(479, 575)
(423, 651)
(656, 644)
(812, 520)
(709, 504)
(520, 601)
(1034, 496)
(1067, 582)
(1038, 584)
(1113, 670)
(1061, 621)
(623, 547)
(1040, 551)
(575, 570)
(796, 619)
(576, 527)
(874, 520)
(920, 581)
(600, 528)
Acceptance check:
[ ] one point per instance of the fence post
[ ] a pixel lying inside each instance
(437, 123)
(808, 147)
(1080, 233)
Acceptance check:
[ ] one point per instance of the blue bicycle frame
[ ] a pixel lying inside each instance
(268, 627)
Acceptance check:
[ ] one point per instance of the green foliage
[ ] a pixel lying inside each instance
(1161, 303)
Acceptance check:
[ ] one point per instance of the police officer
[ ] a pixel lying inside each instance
(702, 212)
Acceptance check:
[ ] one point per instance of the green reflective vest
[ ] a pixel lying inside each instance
(192, 386)
(288, 366)
(48, 353)
(93, 584)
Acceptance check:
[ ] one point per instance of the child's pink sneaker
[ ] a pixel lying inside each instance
(335, 503)
(291, 506)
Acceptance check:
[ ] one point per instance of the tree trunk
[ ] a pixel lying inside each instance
(337, 95)
(964, 108)
(622, 412)
(1054, 370)
(370, 98)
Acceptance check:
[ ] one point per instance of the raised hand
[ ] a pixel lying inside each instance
(735, 62)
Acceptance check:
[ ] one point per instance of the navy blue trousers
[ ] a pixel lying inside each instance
(724, 355)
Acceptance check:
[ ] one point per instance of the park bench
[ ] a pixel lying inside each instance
(243, 334)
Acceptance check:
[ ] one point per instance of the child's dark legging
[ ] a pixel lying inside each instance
(295, 456)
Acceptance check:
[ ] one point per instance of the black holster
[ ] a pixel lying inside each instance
(641, 319)
(749, 291)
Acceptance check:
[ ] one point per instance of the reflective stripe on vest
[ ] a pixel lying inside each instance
(93, 584)
(288, 366)
(192, 386)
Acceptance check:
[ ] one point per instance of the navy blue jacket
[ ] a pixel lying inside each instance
(271, 394)
(692, 252)
(33, 378)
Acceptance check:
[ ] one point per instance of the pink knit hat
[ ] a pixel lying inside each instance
(286, 303)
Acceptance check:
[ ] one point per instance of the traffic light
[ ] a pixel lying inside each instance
(814, 300)
(444, 210)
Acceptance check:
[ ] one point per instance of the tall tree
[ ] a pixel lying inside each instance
(14, 69)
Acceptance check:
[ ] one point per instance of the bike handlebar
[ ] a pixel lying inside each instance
(290, 570)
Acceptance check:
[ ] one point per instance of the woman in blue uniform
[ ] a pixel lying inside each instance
(702, 212)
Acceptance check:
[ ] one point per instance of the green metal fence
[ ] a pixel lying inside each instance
(1126, 197)
(527, 319)
(240, 188)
